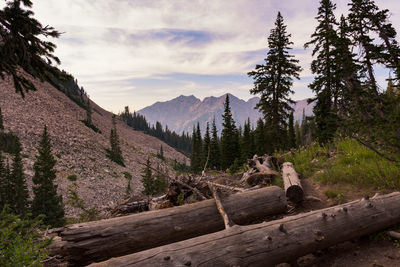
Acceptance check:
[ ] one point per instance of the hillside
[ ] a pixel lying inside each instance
(78, 149)
(181, 113)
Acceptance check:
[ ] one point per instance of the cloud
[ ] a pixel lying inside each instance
(137, 52)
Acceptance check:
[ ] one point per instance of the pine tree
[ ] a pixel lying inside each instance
(206, 147)
(161, 154)
(274, 80)
(153, 184)
(115, 153)
(1, 121)
(229, 139)
(22, 46)
(324, 85)
(46, 200)
(260, 139)
(215, 156)
(291, 132)
(19, 196)
(89, 112)
(196, 156)
(245, 144)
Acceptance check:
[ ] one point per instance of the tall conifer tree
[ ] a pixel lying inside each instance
(324, 85)
(274, 80)
(46, 200)
(291, 132)
(115, 153)
(19, 196)
(206, 147)
(229, 139)
(215, 156)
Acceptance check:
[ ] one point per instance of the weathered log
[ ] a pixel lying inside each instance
(129, 206)
(394, 234)
(274, 242)
(265, 172)
(100, 240)
(292, 184)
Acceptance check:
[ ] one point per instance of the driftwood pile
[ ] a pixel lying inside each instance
(218, 228)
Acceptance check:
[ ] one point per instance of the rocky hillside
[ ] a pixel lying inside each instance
(181, 113)
(79, 150)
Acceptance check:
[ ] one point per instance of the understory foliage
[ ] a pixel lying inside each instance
(20, 242)
(348, 162)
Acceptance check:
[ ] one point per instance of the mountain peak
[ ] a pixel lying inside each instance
(181, 113)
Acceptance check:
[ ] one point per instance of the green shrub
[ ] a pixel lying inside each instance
(72, 177)
(127, 175)
(20, 241)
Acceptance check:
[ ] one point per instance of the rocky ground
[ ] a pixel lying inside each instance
(79, 150)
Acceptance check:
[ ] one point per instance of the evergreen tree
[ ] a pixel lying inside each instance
(1, 121)
(19, 194)
(366, 20)
(161, 154)
(291, 132)
(215, 156)
(324, 85)
(147, 180)
(115, 153)
(195, 159)
(206, 147)
(260, 139)
(46, 200)
(245, 144)
(22, 46)
(274, 80)
(229, 139)
(298, 134)
(89, 112)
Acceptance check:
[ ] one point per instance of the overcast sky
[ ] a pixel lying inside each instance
(137, 52)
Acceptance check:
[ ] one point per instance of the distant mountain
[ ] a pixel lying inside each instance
(181, 113)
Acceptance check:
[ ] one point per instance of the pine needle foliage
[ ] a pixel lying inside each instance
(46, 200)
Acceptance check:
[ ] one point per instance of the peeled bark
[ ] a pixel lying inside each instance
(291, 181)
(95, 241)
(271, 243)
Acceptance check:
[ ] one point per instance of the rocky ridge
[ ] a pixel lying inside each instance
(181, 113)
(78, 149)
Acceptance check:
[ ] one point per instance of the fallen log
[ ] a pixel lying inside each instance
(95, 241)
(292, 184)
(274, 242)
(260, 171)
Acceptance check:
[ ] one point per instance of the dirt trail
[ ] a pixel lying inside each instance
(361, 252)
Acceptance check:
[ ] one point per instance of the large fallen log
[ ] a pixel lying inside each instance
(100, 240)
(271, 243)
(292, 184)
(260, 171)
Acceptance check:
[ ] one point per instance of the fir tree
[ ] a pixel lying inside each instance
(153, 184)
(260, 139)
(115, 153)
(161, 154)
(1, 121)
(274, 80)
(22, 46)
(245, 144)
(215, 156)
(19, 196)
(46, 200)
(89, 112)
(291, 132)
(206, 147)
(229, 139)
(324, 85)
(196, 157)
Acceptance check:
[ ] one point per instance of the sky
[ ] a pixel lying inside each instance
(137, 52)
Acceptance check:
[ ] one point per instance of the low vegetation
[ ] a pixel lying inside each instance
(345, 161)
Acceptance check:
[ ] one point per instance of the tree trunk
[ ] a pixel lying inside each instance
(271, 243)
(100, 240)
(291, 181)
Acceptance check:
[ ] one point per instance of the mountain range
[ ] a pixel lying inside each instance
(182, 112)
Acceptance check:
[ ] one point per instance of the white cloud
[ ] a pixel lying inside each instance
(108, 43)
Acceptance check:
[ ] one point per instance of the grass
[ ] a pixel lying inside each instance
(351, 163)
